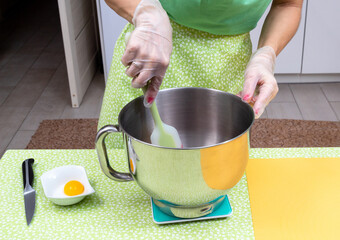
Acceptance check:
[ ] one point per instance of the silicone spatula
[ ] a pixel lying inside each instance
(163, 134)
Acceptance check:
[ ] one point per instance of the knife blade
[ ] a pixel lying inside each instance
(29, 192)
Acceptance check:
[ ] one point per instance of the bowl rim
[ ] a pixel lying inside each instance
(120, 128)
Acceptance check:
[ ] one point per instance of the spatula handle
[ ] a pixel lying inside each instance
(154, 112)
(27, 171)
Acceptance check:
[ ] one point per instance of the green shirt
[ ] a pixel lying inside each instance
(221, 17)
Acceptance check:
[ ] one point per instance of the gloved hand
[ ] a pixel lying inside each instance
(260, 85)
(148, 49)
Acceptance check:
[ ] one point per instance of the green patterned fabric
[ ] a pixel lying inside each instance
(221, 17)
(198, 59)
(116, 210)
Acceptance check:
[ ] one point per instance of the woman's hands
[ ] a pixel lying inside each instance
(148, 49)
(260, 85)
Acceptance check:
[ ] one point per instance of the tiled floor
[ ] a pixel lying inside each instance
(34, 85)
(33, 76)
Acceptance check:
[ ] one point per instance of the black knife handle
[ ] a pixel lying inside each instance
(28, 164)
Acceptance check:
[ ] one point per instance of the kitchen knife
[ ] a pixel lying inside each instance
(29, 192)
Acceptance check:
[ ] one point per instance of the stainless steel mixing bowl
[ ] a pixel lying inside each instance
(192, 181)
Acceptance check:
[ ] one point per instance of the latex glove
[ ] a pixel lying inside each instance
(148, 49)
(260, 85)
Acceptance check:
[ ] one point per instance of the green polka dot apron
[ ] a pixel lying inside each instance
(199, 59)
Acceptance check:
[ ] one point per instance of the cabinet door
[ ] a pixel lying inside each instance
(78, 25)
(289, 60)
(322, 37)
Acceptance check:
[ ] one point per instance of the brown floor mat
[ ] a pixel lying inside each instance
(65, 134)
(265, 133)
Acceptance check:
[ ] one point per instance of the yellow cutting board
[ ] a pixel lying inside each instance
(295, 198)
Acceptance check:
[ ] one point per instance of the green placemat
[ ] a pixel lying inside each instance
(115, 211)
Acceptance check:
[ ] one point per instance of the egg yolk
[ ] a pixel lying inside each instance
(73, 188)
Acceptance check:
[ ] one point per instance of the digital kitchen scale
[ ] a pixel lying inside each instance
(223, 211)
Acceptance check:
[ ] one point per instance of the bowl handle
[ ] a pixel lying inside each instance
(103, 157)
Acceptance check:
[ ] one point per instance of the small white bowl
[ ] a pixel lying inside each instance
(53, 183)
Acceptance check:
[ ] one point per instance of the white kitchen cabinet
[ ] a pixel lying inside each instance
(322, 37)
(289, 60)
(110, 27)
